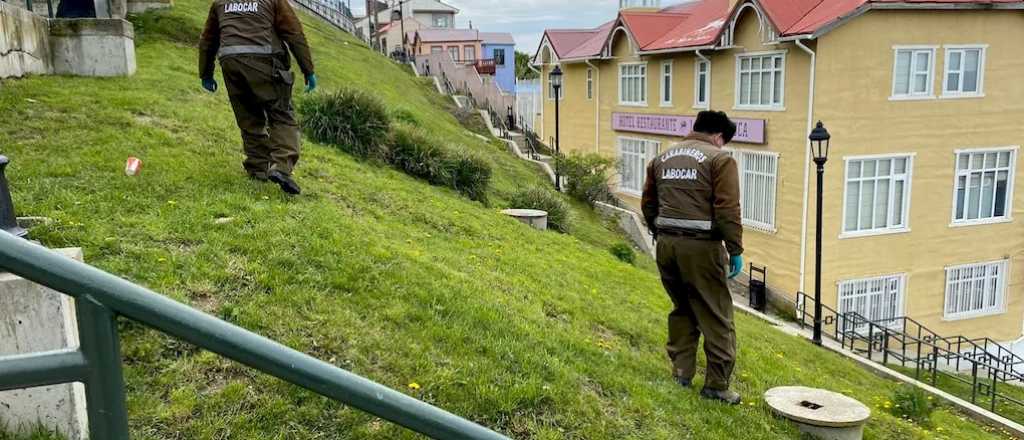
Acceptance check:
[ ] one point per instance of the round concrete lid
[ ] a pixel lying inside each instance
(816, 407)
(525, 213)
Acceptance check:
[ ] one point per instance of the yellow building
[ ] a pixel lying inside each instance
(924, 103)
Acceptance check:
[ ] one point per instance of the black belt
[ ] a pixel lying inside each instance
(698, 235)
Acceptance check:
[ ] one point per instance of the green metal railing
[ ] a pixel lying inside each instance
(101, 298)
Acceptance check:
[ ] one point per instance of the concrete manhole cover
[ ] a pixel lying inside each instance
(822, 413)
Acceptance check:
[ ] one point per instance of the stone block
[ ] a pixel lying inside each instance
(93, 46)
(535, 218)
(140, 6)
(24, 43)
(36, 319)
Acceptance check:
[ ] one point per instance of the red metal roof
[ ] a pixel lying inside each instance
(700, 23)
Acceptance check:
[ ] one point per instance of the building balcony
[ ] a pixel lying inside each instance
(485, 67)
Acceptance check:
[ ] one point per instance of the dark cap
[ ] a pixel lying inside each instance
(715, 122)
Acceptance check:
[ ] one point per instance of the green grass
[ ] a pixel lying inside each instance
(959, 384)
(538, 335)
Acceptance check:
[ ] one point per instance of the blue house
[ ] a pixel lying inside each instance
(501, 48)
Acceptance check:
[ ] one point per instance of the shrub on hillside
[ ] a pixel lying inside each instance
(912, 403)
(624, 252)
(469, 174)
(349, 119)
(587, 177)
(411, 151)
(559, 213)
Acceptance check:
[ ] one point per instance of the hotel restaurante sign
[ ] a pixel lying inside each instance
(750, 131)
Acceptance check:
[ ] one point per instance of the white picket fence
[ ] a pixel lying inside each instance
(529, 99)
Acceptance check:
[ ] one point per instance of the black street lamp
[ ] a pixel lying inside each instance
(556, 83)
(8, 221)
(819, 150)
(399, 14)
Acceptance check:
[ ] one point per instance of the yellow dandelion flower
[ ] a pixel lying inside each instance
(414, 386)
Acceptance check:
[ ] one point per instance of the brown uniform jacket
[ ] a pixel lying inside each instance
(252, 27)
(694, 187)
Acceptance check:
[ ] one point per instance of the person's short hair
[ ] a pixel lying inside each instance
(715, 122)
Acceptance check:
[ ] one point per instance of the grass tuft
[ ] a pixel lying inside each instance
(560, 217)
(350, 119)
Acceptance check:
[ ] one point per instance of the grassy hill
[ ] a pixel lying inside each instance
(538, 335)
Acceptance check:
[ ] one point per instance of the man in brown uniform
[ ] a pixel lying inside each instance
(252, 39)
(691, 203)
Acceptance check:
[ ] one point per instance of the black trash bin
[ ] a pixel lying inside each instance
(758, 288)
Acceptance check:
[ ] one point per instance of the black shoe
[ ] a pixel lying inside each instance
(683, 382)
(724, 396)
(285, 182)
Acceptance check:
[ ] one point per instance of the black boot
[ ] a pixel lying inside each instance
(724, 396)
(684, 382)
(285, 182)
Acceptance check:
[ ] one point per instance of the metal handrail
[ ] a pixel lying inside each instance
(101, 297)
(928, 350)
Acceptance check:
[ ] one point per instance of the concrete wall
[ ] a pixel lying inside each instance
(36, 319)
(31, 44)
(140, 6)
(93, 47)
(24, 43)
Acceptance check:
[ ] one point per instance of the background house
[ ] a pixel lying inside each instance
(500, 49)
(922, 214)
(492, 53)
(417, 14)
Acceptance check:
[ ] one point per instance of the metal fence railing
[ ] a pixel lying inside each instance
(336, 14)
(101, 298)
(981, 364)
(465, 80)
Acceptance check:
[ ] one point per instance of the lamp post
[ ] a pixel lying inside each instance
(556, 83)
(400, 15)
(8, 222)
(819, 150)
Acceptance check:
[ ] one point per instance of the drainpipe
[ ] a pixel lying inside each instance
(597, 107)
(807, 163)
(707, 60)
(540, 77)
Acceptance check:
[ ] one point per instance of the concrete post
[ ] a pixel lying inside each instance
(35, 319)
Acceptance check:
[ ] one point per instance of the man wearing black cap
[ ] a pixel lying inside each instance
(691, 202)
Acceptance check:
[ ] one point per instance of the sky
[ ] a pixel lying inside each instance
(526, 19)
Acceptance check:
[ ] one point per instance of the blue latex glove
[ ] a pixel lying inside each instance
(735, 266)
(210, 85)
(310, 82)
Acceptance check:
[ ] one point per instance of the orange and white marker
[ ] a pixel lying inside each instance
(132, 166)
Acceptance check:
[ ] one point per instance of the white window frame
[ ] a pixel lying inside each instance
(466, 52)
(771, 195)
(454, 53)
(590, 84)
(901, 296)
(697, 103)
(1002, 284)
(781, 105)
(1010, 183)
(909, 178)
(963, 48)
(442, 21)
(651, 150)
(643, 86)
(666, 74)
(911, 95)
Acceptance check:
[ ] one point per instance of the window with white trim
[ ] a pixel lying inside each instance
(633, 84)
(634, 154)
(912, 73)
(877, 194)
(436, 49)
(454, 53)
(760, 81)
(758, 172)
(975, 290)
(470, 54)
(965, 69)
(984, 186)
(878, 299)
(666, 83)
(702, 84)
(590, 83)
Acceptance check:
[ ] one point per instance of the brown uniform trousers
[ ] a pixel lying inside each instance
(261, 96)
(693, 273)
